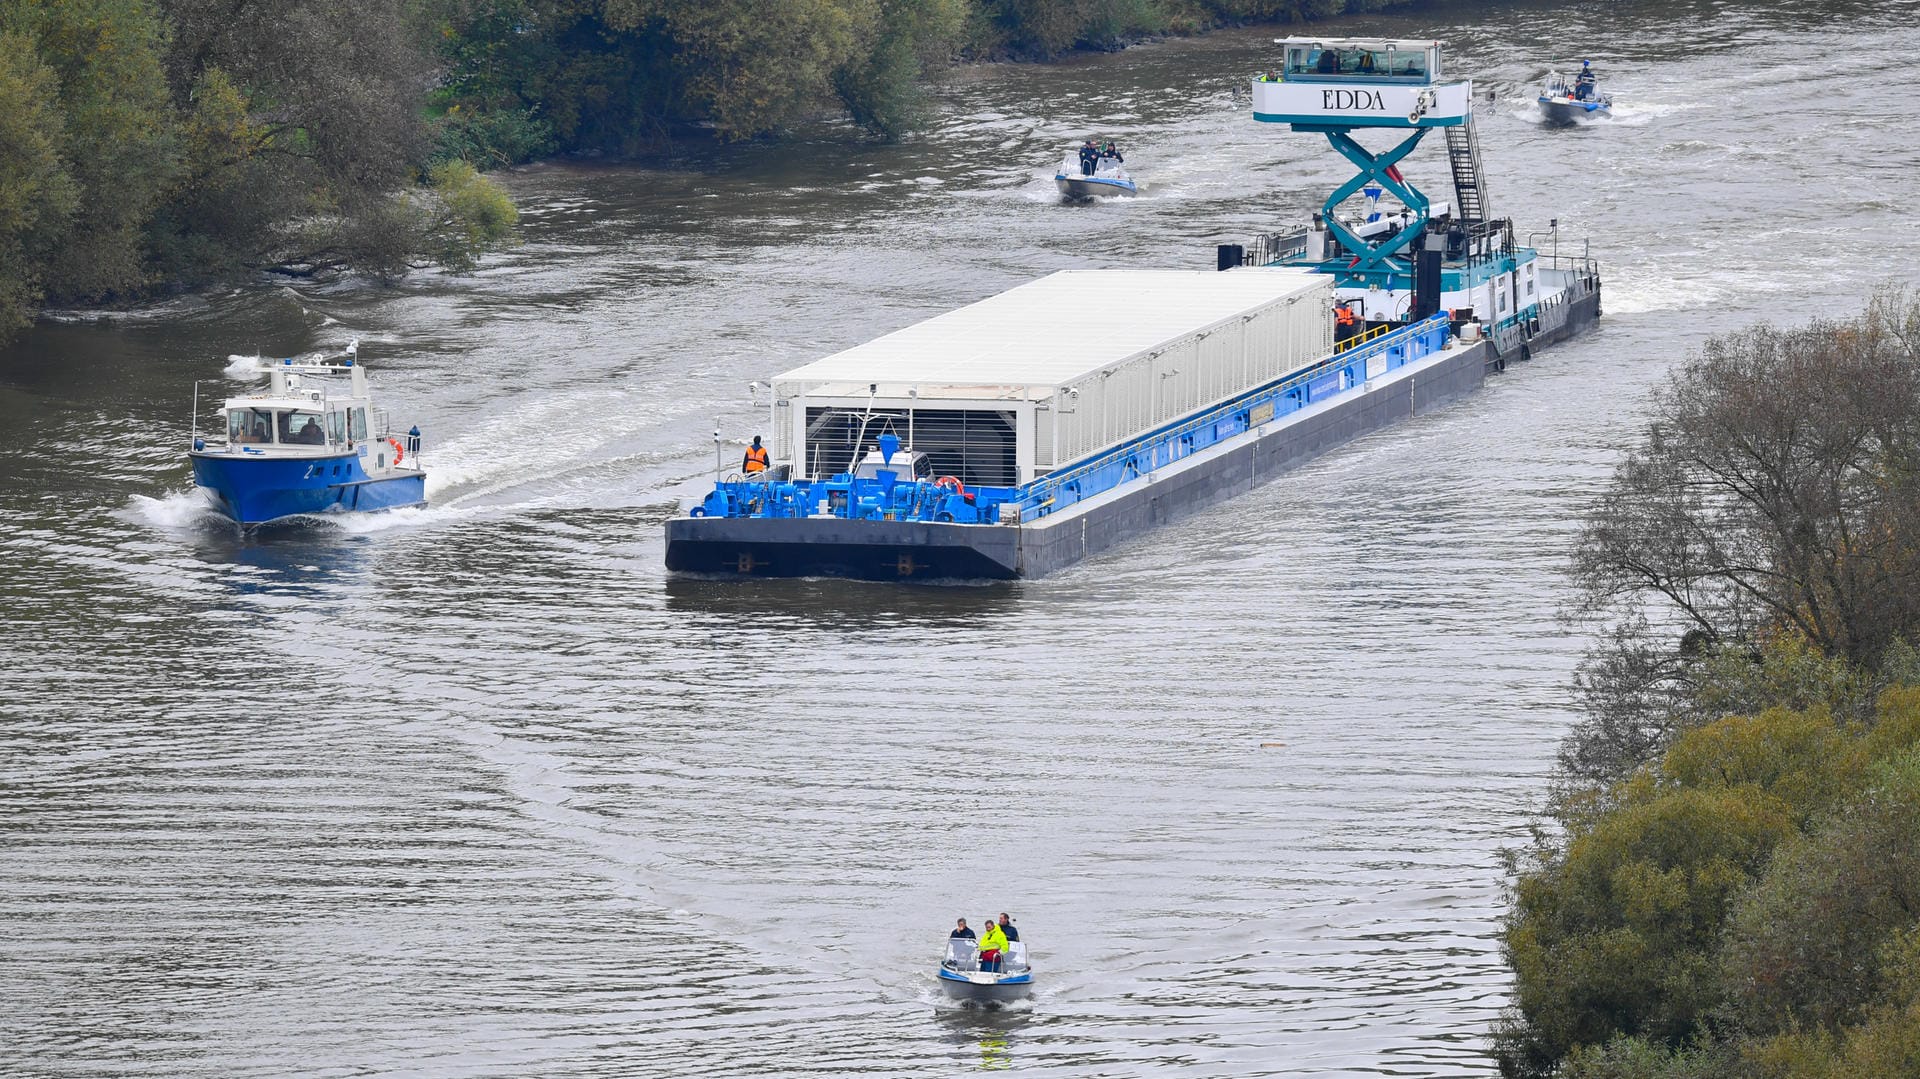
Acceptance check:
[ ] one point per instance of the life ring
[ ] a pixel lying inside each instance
(953, 483)
(398, 452)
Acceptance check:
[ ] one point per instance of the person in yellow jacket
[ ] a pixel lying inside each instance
(992, 944)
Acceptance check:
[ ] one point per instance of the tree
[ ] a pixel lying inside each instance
(116, 142)
(1775, 494)
(37, 195)
(1748, 904)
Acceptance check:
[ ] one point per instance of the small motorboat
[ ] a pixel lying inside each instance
(1564, 101)
(311, 442)
(962, 979)
(1107, 179)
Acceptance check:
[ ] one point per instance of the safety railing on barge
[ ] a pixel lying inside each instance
(945, 500)
(1159, 449)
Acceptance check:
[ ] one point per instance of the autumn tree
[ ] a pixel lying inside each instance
(1774, 494)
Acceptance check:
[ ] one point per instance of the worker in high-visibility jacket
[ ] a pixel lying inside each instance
(992, 943)
(1345, 324)
(756, 458)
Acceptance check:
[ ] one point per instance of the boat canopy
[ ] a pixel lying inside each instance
(1366, 60)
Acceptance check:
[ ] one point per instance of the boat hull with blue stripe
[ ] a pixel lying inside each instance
(254, 490)
(1094, 187)
(961, 977)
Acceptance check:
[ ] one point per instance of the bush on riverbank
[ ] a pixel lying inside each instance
(145, 145)
(1732, 885)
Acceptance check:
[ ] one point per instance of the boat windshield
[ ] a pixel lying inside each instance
(301, 429)
(1356, 62)
(250, 426)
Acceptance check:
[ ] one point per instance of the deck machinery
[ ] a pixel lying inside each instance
(1397, 264)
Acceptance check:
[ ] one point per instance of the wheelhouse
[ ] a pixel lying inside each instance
(322, 423)
(1361, 60)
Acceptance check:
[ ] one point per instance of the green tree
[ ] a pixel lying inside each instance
(117, 140)
(1748, 904)
(37, 196)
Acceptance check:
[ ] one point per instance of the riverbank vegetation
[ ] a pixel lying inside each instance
(1729, 884)
(151, 144)
(529, 77)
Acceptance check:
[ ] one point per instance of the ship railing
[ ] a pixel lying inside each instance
(1266, 248)
(1371, 334)
(1157, 449)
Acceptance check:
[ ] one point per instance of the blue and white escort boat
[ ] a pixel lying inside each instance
(310, 442)
(1033, 429)
(962, 979)
(1567, 101)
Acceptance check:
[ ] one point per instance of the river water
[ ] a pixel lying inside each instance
(478, 791)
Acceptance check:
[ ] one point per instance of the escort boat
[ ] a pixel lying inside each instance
(1107, 180)
(1033, 429)
(1564, 101)
(962, 979)
(310, 442)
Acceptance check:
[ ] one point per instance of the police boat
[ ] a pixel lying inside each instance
(1108, 179)
(1568, 101)
(962, 979)
(309, 442)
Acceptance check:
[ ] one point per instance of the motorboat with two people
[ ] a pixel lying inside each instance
(1094, 171)
(1567, 102)
(990, 968)
(310, 442)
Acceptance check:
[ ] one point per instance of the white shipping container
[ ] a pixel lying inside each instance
(1055, 370)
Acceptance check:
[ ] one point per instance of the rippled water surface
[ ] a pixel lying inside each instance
(478, 791)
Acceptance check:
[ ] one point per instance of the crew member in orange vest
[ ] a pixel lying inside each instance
(756, 458)
(1344, 324)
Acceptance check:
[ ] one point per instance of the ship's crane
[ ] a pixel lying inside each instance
(1336, 86)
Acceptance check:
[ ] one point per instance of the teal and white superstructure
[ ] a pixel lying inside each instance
(1395, 254)
(1032, 429)
(310, 441)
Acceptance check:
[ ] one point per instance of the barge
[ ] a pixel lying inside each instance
(1031, 430)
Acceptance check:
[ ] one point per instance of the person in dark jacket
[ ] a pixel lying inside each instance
(961, 932)
(1006, 926)
(1088, 157)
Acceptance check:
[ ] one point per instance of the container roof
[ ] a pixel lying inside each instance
(1059, 329)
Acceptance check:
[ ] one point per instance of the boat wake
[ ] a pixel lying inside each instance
(189, 512)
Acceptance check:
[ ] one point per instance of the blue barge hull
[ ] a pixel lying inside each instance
(920, 550)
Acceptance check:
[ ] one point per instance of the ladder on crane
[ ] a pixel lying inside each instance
(1469, 177)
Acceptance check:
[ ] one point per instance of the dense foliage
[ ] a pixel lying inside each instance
(1731, 882)
(149, 143)
(152, 143)
(527, 77)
